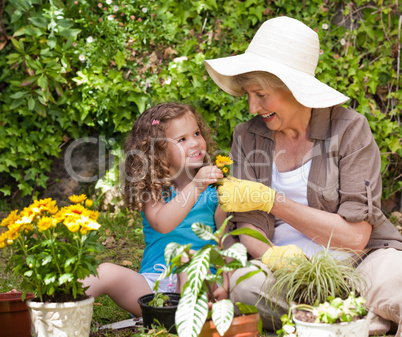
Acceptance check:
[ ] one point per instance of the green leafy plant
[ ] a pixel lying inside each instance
(159, 300)
(334, 310)
(74, 68)
(310, 280)
(53, 249)
(193, 309)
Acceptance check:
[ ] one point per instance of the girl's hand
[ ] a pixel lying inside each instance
(205, 176)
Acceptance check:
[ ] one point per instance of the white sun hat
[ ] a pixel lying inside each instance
(286, 48)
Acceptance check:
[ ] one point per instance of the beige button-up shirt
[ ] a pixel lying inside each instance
(344, 178)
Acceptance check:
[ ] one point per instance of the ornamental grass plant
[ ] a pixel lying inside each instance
(311, 280)
(53, 248)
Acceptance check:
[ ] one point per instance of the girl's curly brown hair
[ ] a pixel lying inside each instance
(146, 164)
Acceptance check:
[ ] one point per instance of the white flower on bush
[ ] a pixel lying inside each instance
(168, 81)
(144, 10)
(325, 26)
(343, 42)
(82, 57)
(90, 39)
(110, 17)
(115, 8)
(109, 2)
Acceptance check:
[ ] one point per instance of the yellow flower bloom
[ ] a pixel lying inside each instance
(88, 224)
(72, 226)
(88, 203)
(2, 245)
(11, 218)
(12, 235)
(76, 199)
(225, 170)
(45, 223)
(45, 205)
(222, 161)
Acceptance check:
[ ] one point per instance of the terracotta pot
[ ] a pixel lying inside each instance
(358, 328)
(164, 315)
(61, 319)
(242, 326)
(14, 315)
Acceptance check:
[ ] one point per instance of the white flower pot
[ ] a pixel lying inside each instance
(65, 319)
(358, 328)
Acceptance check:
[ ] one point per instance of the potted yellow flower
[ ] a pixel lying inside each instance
(52, 250)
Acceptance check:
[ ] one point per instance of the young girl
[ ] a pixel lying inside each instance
(167, 178)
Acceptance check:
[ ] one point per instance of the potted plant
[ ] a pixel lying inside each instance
(194, 317)
(159, 308)
(335, 317)
(321, 291)
(53, 249)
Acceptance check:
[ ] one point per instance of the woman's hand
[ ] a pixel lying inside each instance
(237, 195)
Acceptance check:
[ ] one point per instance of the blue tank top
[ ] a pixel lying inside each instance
(203, 211)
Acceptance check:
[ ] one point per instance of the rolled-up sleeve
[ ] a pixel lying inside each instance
(360, 186)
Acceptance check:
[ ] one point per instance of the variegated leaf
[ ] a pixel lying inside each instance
(191, 313)
(173, 249)
(222, 315)
(238, 252)
(203, 231)
(198, 269)
(234, 265)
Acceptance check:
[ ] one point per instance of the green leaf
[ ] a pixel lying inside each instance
(18, 45)
(120, 60)
(65, 278)
(250, 232)
(246, 308)
(222, 315)
(203, 231)
(191, 313)
(69, 32)
(238, 252)
(39, 21)
(248, 275)
(198, 269)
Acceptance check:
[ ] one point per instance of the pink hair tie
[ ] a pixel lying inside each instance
(155, 122)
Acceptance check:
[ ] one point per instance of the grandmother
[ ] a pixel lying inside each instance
(318, 164)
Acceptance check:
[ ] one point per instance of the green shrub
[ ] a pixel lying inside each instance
(71, 68)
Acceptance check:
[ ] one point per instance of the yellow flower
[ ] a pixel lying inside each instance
(76, 199)
(222, 161)
(225, 170)
(45, 223)
(11, 218)
(12, 235)
(89, 224)
(72, 225)
(88, 203)
(45, 205)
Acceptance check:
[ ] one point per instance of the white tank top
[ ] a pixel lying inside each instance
(293, 185)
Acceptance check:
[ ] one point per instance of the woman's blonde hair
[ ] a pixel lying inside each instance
(147, 166)
(266, 80)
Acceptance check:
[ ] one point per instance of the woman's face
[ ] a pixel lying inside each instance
(277, 107)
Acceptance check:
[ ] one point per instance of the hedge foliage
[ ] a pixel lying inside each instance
(71, 68)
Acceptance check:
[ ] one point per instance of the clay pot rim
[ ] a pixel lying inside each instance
(14, 297)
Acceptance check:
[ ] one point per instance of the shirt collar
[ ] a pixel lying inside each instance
(319, 122)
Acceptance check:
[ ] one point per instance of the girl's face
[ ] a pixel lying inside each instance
(186, 146)
(277, 107)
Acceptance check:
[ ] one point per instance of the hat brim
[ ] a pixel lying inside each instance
(306, 89)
